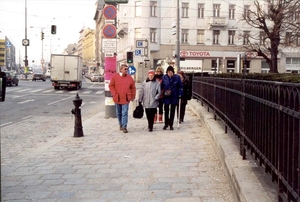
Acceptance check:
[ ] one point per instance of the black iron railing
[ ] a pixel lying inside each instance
(266, 117)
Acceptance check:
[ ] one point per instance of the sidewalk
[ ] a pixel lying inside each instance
(109, 165)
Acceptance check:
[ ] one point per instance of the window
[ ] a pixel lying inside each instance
(200, 36)
(216, 34)
(231, 34)
(288, 38)
(152, 35)
(214, 65)
(216, 10)
(262, 38)
(185, 10)
(231, 11)
(246, 37)
(153, 7)
(138, 8)
(138, 33)
(184, 36)
(200, 10)
(298, 40)
(246, 11)
(292, 60)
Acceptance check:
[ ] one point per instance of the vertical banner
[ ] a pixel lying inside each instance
(110, 69)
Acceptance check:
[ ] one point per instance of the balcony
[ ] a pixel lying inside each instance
(217, 22)
(122, 29)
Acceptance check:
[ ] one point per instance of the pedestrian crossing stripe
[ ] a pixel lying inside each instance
(31, 90)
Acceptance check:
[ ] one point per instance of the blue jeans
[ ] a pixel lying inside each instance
(122, 114)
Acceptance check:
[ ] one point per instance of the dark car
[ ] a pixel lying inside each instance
(11, 79)
(38, 76)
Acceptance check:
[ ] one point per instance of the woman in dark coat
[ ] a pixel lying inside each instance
(187, 95)
(170, 81)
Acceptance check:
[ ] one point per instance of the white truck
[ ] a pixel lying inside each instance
(66, 71)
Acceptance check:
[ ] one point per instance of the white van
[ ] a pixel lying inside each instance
(48, 73)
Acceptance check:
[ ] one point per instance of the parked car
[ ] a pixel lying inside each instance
(38, 76)
(11, 79)
(97, 78)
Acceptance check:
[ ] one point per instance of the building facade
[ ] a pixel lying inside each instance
(211, 36)
(7, 55)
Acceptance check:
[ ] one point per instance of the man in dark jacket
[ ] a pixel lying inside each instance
(171, 82)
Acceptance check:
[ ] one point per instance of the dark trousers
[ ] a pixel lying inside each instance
(182, 111)
(169, 114)
(160, 107)
(150, 113)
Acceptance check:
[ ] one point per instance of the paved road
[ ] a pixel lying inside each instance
(49, 164)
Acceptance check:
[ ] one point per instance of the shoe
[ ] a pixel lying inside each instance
(125, 130)
(171, 128)
(121, 128)
(160, 118)
(165, 127)
(150, 129)
(155, 118)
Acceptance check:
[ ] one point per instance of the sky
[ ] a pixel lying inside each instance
(70, 16)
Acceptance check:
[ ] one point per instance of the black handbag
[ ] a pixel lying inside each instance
(138, 113)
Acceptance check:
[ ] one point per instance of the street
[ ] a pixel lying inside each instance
(38, 98)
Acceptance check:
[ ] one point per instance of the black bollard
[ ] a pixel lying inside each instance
(77, 113)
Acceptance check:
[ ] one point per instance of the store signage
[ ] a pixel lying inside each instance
(194, 54)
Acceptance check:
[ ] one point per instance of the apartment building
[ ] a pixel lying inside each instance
(211, 36)
(7, 54)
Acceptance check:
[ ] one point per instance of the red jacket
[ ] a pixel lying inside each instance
(122, 88)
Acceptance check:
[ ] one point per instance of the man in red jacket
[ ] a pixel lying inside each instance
(123, 90)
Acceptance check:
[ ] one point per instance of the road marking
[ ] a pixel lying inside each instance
(60, 100)
(86, 92)
(59, 92)
(99, 92)
(37, 90)
(73, 92)
(48, 91)
(25, 101)
(26, 117)
(25, 89)
(18, 96)
(4, 124)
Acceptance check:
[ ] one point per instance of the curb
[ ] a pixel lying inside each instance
(247, 180)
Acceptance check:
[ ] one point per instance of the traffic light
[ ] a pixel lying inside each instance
(26, 63)
(129, 57)
(53, 29)
(42, 35)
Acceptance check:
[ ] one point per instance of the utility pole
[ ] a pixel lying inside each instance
(26, 57)
(177, 38)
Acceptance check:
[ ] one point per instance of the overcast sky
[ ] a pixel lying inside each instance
(70, 16)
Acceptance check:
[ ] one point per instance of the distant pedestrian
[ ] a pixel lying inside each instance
(170, 83)
(186, 95)
(149, 97)
(123, 90)
(159, 72)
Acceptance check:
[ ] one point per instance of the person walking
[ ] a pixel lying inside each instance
(172, 90)
(159, 72)
(123, 90)
(148, 96)
(186, 95)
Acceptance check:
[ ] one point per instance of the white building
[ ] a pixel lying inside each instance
(210, 36)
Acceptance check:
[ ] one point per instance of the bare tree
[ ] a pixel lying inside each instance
(278, 23)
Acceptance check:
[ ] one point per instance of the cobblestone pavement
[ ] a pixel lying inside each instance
(49, 164)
